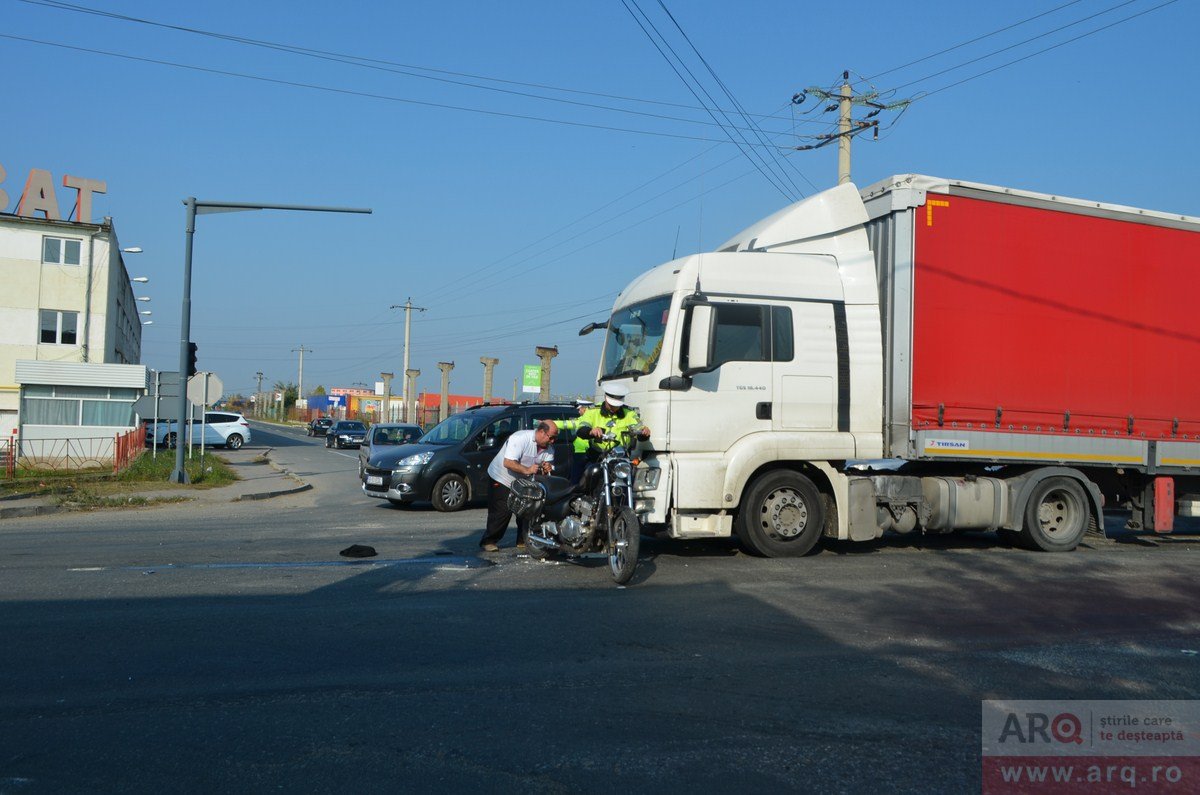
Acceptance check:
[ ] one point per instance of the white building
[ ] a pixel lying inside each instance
(66, 299)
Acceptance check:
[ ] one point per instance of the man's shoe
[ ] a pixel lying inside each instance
(520, 546)
(490, 548)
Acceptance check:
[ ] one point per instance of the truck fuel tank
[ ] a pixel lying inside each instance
(963, 503)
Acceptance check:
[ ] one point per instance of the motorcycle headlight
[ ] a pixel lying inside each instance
(419, 459)
(623, 470)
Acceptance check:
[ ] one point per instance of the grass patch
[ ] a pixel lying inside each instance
(85, 499)
(146, 472)
(207, 471)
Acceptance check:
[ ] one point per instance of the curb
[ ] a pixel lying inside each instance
(29, 510)
(266, 495)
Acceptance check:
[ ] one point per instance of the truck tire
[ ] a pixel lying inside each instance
(782, 515)
(449, 493)
(1056, 516)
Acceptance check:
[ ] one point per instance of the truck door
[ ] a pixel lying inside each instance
(804, 349)
(735, 398)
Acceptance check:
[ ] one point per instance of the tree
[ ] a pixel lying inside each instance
(319, 390)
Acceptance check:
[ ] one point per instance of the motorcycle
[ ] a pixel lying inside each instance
(595, 515)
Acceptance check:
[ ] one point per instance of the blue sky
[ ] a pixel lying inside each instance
(514, 231)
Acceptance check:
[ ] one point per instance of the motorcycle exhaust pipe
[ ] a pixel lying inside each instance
(543, 540)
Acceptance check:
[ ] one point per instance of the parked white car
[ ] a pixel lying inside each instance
(220, 428)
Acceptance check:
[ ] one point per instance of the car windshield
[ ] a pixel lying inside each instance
(453, 430)
(392, 435)
(634, 340)
(351, 426)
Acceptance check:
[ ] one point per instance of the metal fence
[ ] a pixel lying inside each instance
(65, 455)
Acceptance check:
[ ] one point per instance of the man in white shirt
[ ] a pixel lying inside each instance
(525, 454)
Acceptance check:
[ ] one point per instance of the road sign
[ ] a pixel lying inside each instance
(205, 388)
(531, 378)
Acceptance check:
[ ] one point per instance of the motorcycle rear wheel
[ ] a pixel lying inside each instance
(624, 538)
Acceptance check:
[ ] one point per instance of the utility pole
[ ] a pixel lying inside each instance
(545, 354)
(385, 407)
(515, 380)
(844, 105)
(410, 393)
(444, 406)
(489, 364)
(300, 386)
(258, 394)
(408, 308)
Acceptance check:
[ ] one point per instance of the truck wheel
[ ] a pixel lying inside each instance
(449, 493)
(170, 440)
(782, 515)
(1056, 516)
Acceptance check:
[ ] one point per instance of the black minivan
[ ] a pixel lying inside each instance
(448, 465)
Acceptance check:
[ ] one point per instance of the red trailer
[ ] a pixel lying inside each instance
(1023, 328)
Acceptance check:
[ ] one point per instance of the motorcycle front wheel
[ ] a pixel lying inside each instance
(624, 537)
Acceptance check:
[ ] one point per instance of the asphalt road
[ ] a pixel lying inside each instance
(230, 648)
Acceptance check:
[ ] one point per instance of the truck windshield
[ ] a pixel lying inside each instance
(635, 335)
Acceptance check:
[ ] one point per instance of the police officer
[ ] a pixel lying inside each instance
(611, 416)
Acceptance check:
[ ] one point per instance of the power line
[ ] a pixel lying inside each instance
(969, 41)
(736, 104)
(393, 67)
(1018, 44)
(361, 94)
(1045, 50)
(774, 183)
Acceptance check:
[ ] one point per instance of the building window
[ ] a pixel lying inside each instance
(61, 250)
(59, 328)
(42, 404)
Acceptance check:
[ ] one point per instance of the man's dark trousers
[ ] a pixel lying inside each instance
(499, 515)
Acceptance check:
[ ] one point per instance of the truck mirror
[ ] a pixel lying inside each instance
(699, 341)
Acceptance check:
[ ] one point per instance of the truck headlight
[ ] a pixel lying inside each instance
(648, 477)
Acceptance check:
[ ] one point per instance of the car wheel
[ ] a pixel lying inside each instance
(234, 441)
(449, 493)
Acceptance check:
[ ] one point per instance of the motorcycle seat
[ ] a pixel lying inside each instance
(557, 489)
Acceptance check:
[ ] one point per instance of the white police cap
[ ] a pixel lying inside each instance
(615, 394)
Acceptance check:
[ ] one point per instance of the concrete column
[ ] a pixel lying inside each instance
(545, 354)
(410, 411)
(444, 406)
(385, 406)
(489, 364)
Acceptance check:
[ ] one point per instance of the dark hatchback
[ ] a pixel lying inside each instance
(448, 465)
(319, 426)
(345, 433)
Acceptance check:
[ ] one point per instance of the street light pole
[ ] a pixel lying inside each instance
(179, 474)
(194, 207)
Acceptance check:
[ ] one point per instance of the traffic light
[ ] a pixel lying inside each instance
(191, 368)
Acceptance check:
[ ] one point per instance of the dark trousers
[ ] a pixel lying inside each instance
(499, 515)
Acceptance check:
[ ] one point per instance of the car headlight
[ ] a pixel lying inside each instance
(416, 460)
(623, 470)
